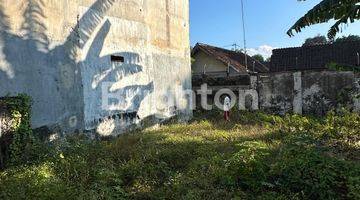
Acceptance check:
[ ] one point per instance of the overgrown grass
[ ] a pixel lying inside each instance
(255, 156)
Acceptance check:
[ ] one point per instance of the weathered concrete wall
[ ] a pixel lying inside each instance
(38, 58)
(211, 64)
(357, 88)
(323, 90)
(276, 92)
(59, 52)
(309, 92)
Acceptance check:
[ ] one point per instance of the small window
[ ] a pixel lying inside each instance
(118, 59)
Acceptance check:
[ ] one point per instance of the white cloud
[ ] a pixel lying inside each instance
(264, 50)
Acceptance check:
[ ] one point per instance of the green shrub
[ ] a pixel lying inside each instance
(24, 147)
(248, 167)
(312, 175)
(338, 67)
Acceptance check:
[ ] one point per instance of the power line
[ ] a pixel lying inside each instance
(235, 46)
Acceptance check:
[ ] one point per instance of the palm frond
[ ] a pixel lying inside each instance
(324, 12)
(350, 17)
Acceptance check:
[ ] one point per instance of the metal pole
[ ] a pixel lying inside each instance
(254, 66)
(244, 32)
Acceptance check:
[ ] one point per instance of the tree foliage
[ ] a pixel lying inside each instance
(321, 40)
(342, 11)
(317, 40)
(349, 38)
(259, 57)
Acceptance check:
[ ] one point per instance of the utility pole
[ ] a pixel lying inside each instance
(244, 32)
(235, 47)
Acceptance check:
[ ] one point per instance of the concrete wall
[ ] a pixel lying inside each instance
(308, 92)
(302, 92)
(59, 52)
(212, 64)
(276, 92)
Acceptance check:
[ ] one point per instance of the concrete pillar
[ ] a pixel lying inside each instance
(357, 98)
(253, 82)
(298, 102)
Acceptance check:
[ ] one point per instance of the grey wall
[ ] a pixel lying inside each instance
(31, 63)
(308, 92)
(58, 52)
(276, 92)
(302, 92)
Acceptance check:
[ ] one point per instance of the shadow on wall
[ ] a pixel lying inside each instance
(101, 74)
(53, 77)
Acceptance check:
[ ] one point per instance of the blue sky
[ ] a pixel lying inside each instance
(218, 23)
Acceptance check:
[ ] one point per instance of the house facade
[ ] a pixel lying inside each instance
(96, 64)
(212, 60)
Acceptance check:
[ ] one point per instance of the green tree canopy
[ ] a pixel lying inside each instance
(258, 57)
(342, 11)
(349, 38)
(317, 40)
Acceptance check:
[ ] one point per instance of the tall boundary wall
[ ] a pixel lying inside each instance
(303, 92)
(308, 92)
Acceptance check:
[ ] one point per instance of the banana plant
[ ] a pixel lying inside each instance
(342, 11)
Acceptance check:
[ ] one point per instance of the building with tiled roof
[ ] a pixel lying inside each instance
(209, 59)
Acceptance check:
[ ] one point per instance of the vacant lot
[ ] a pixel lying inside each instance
(255, 156)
